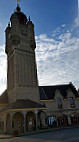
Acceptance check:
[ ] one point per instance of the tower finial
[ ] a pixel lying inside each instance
(18, 1)
(18, 8)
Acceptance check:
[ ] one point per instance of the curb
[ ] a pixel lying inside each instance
(6, 137)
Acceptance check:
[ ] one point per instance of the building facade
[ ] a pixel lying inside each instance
(25, 106)
(62, 103)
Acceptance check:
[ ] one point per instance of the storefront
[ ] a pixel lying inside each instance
(52, 121)
(75, 119)
(62, 121)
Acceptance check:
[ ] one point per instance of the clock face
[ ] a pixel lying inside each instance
(24, 32)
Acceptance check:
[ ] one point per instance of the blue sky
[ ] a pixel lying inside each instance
(57, 38)
(46, 14)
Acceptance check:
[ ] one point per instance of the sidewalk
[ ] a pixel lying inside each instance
(4, 136)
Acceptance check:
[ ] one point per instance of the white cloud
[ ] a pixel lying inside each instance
(58, 59)
(63, 25)
(77, 21)
(3, 69)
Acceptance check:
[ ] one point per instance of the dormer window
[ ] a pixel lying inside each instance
(59, 103)
(71, 101)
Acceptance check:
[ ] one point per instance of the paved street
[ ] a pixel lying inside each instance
(65, 135)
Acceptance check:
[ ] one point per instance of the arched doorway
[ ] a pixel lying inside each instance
(30, 121)
(18, 122)
(8, 123)
(42, 120)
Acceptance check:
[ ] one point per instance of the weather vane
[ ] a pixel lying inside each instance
(18, 1)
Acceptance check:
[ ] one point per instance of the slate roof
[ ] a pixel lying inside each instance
(23, 104)
(48, 92)
(4, 98)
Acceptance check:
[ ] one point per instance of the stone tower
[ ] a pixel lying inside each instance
(21, 64)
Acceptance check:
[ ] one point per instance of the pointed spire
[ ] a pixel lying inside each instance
(29, 19)
(18, 9)
(8, 24)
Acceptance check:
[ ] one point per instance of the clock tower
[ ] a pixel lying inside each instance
(21, 63)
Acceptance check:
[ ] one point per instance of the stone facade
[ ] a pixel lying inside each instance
(20, 49)
(63, 105)
(52, 105)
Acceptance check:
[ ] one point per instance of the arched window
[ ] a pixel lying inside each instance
(71, 101)
(59, 102)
